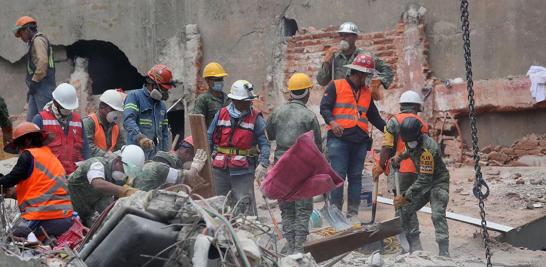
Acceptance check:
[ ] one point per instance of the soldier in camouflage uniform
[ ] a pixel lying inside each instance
(5, 123)
(431, 185)
(212, 101)
(285, 125)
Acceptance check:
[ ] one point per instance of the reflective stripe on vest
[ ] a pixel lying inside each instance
(49, 194)
(407, 165)
(347, 112)
(100, 136)
(30, 64)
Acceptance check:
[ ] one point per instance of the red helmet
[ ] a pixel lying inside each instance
(162, 76)
(363, 63)
(20, 23)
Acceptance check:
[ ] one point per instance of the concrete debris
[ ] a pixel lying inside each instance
(298, 260)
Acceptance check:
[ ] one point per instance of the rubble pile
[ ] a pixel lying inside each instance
(527, 151)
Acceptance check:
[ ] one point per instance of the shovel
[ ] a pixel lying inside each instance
(374, 200)
(402, 236)
(333, 216)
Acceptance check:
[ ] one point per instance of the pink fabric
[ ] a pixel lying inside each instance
(301, 173)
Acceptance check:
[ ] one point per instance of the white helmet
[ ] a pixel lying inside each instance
(112, 98)
(242, 90)
(348, 27)
(411, 97)
(133, 159)
(65, 95)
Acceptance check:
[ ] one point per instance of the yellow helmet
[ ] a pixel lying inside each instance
(299, 81)
(214, 69)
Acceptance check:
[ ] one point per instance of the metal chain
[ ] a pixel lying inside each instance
(479, 181)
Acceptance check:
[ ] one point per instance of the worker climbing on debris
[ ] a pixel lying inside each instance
(431, 185)
(41, 189)
(336, 58)
(347, 106)
(233, 135)
(40, 74)
(58, 119)
(215, 99)
(410, 104)
(285, 125)
(168, 168)
(145, 113)
(5, 122)
(97, 180)
(102, 127)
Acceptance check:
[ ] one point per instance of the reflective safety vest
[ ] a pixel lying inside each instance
(407, 165)
(233, 142)
(44, 194)
(67, 147)
(350, 109)
(100, 136)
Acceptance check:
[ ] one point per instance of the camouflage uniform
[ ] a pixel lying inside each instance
(285, 125)
(208, 104)
(5, 123)
(431, 185)
(85, 199)
(154, 173)
(94, 150)
(324, 75)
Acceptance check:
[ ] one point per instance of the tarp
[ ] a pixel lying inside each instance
(301, 173)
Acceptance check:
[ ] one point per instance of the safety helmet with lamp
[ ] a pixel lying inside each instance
(242, 90)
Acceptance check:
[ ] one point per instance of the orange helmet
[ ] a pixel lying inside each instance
(20, 131)
(20, 23)
(162, 76)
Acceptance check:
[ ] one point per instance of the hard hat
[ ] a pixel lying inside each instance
(411, 97)
(410, 129)
(21, 130)
(363, 63)
(132, 155)
(214, 69)
(20, 23)
(189, 140)
(112, 98)
(299, 81)
(162, 76)
(348, 27)
(65, 95)
(241, 90)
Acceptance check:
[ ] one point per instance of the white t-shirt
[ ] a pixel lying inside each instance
(96, 170)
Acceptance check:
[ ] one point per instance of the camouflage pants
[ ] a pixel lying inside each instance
(295, 217)
(406, 180)
(438, 198)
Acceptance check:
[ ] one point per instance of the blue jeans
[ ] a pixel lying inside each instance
(36, 103)
(347, 159)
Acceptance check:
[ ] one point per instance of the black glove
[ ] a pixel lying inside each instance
(33, 87)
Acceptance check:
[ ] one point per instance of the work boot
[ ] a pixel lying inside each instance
(299, 244)
(443, 248)
(415, 243)
(352, 209)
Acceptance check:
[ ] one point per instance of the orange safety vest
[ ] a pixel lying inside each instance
(350, 110)
(100, 136)
(44, 194)
(406, 165)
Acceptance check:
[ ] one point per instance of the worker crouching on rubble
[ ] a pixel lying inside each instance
(233, 135)
(285, 125)
(97, 180)
(170, 168)
(42, 193)
(431, 185)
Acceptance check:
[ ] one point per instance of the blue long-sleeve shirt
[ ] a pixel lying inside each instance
(38, 120)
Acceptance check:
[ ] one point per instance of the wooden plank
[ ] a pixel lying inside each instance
(327, 248)
(460, 218)
(200, 141)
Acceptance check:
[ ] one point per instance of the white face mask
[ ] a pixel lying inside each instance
(113, 116)
(156, 94)
(412, 144)
(218, 86)
(119, 176)
(343, 45)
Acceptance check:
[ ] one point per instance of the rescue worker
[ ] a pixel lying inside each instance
(347, 106)
(215, 99)
(145, 113)
(431, 185)
(98, 180)
(39, 177)
(285, 125)
(167, 168)
(59, 120)
(410, 104)
(233, 135)
(40, 75)
(5, 122)
(336, 58)
(102, 127)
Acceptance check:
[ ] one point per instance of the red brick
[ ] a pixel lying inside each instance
(378, 35)
(311, 42)
(379, 41)
(324, 35)
(387, 53)
(295, 50)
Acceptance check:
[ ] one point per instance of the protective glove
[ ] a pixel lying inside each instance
(126, 191)
(146, 144)
(399, 201)
(376, 171)
(260, 173)
(199, 160)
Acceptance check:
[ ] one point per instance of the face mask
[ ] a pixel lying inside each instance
(64, 112)
(164, 95)
(218, 86)
(412, 144)
(156, 94)
(119, 176)
(112, 116)
(343, 45)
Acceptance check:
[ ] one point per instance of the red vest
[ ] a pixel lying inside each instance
(44, 194)
(239, 138)
(100, 136)
(68, 148)
(406, 165)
